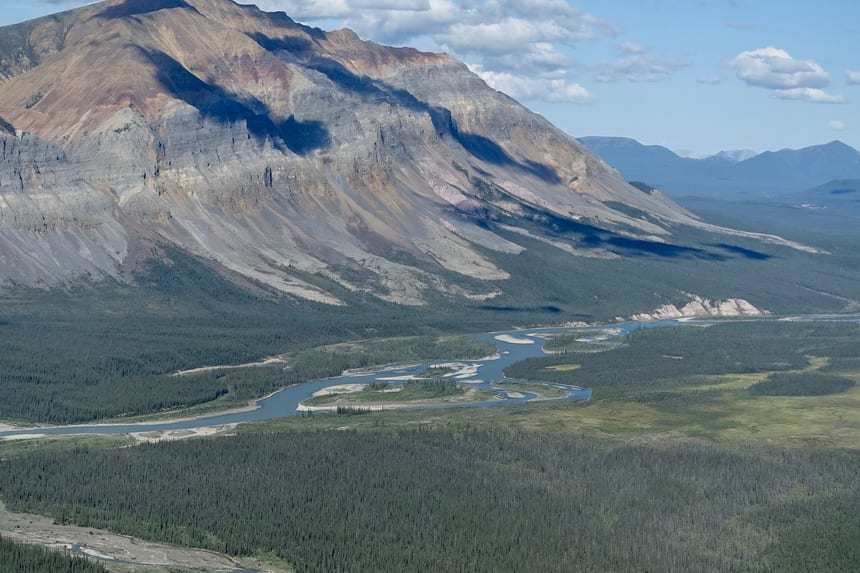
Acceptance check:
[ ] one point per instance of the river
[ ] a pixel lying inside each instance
(485, 373)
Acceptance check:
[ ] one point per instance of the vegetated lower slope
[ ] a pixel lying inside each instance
(476, 501)
(88, 355)
(308, 161)
(18, 558)
(93, 353)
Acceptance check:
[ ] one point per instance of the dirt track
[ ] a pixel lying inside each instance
(118, 550)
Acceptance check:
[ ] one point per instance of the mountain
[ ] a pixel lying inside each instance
(311, 162)
(734, 155)
(839, 193)
(658, 165)
(802, 167)
(768, 173)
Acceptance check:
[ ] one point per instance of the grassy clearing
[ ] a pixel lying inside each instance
(639, 394)
(543, 391)
(563, 367)
(728, 418)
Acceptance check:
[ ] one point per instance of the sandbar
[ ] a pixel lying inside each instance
(513, 339)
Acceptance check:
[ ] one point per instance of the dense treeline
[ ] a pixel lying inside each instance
(432, 501)
(801, 384)
(574, 343)
(86, 355)
(656, 361)
(74, 399)
(340, 357)
(18, 558)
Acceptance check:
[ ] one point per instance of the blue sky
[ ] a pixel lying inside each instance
(697, 76)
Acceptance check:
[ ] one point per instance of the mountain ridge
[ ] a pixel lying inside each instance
(287, 155)
(771, 172)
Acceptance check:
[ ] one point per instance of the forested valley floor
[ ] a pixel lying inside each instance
(470, 501)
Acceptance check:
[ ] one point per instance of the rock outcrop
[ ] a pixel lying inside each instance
(699, 307)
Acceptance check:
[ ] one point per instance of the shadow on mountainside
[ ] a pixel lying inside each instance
(588, 236)
(213, 102)
(375, 92)
(746, 253)
(140, 7)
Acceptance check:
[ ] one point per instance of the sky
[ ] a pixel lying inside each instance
(697, 76)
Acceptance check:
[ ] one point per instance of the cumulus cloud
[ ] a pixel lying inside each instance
(774, 68)
(543, 89)
(543, 58)
(639, 68)
(503, 36)
(837, 125)
(787, 78)
(469, 24)
(812, 95)
(852, 77)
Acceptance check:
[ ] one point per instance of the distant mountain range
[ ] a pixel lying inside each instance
(735, 155)
(728, 173)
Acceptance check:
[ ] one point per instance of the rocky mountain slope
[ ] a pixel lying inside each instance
(287, 155)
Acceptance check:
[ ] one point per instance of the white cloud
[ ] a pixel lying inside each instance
(311, 9)
(775, 69)
(785, 77)
(542, 58)
(523, 47)
(852, 77)
(632, 48)
(532, 89)
(639, 68)
(812, 95)
(402, 26)
(837, 125)
(504, 36)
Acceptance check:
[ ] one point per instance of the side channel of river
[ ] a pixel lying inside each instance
(513, 346)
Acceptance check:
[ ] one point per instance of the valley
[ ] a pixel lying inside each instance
(681, 395)
(275, 298)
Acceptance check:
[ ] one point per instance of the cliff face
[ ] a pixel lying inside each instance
(278, 151)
